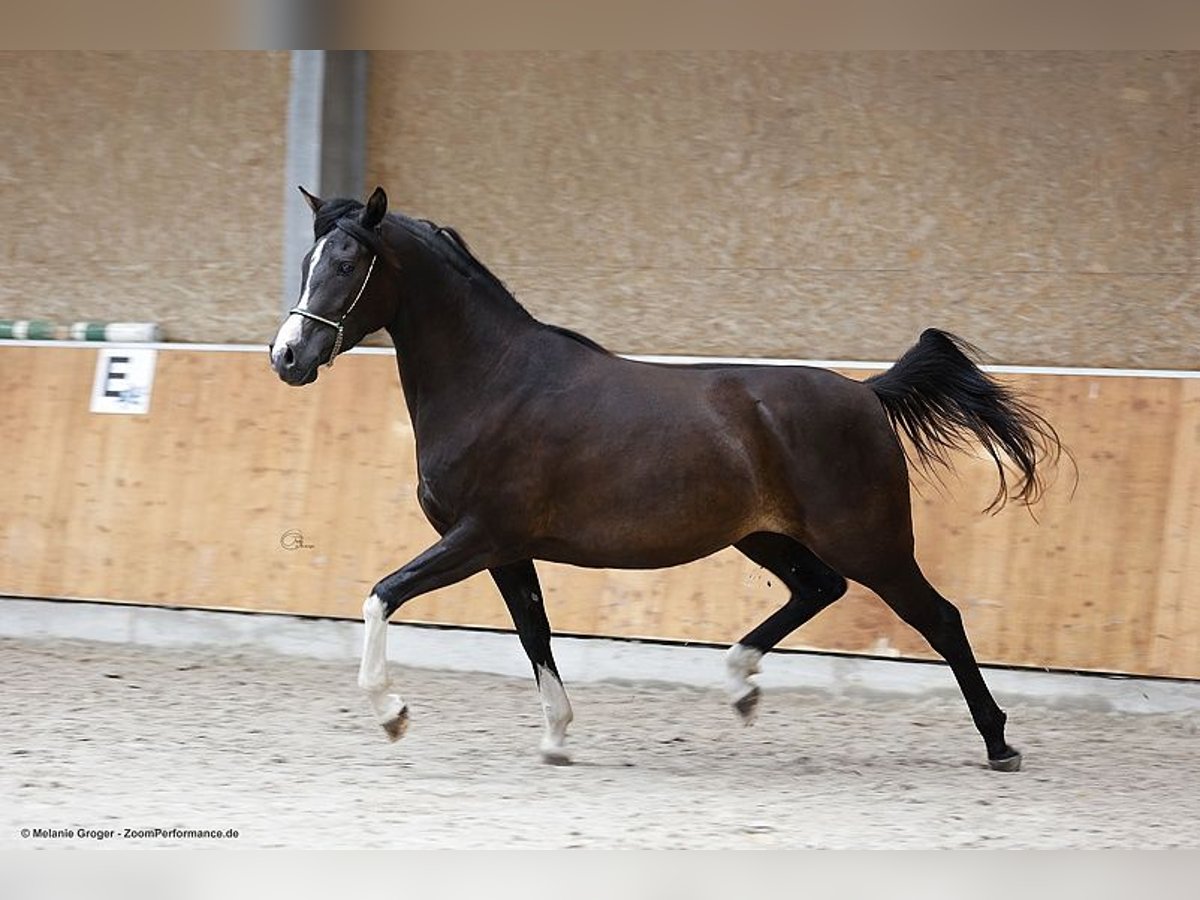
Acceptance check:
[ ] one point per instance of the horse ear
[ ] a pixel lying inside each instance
(314, 203)
(375, 210)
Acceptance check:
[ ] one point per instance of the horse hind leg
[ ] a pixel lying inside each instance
(813, 585)
(918, 603)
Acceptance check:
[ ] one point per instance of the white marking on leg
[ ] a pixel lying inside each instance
(372, 672)
(741, 662)
(289, 331)
(558, 712)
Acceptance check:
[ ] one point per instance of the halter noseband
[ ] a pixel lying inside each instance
(368, 239)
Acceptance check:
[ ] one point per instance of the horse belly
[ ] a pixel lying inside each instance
(614, 551)
(652, 522)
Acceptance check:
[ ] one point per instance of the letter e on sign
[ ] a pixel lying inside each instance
(124, 379)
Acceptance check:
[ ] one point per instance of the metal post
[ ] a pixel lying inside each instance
(326, 145)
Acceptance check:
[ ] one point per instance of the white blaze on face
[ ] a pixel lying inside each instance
(289, 331)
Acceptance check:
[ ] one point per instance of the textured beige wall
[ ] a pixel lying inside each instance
(814, 205)
(144, 187)
(817, 205)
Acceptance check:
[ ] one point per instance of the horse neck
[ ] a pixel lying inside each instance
(450, 339)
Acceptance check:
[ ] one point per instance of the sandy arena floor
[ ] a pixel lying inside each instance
(104, 736)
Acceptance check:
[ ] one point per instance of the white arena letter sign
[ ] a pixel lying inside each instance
(124, 379)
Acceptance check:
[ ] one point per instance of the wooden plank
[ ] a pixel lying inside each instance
(1175, 635)
(188, 504)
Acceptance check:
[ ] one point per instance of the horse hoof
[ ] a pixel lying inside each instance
(1007, 763)
(747, 705)
(555, 756)
(395, 728)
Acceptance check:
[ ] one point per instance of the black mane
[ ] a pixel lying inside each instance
(464, 251)
(440, 237)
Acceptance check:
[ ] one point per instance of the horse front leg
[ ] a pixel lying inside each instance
(459, 554)
(518, 584)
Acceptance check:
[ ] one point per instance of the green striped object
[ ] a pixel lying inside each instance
(28, 330)
(125, 332)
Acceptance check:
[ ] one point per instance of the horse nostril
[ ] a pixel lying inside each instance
(289, 358)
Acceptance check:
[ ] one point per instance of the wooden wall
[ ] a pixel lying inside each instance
(186, 506)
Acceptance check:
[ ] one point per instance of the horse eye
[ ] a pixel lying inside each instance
(345, 268)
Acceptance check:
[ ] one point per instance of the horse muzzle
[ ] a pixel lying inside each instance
(292, 367)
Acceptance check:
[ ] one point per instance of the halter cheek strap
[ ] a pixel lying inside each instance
(340, 325)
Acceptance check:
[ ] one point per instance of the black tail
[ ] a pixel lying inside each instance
(938, 398)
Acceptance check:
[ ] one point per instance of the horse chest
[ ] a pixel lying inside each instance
(459, 478)
(439, 514)
(443, 487)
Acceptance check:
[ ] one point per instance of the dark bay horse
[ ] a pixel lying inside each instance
(535, 443)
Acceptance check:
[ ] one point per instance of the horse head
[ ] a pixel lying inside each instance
(344, 294)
